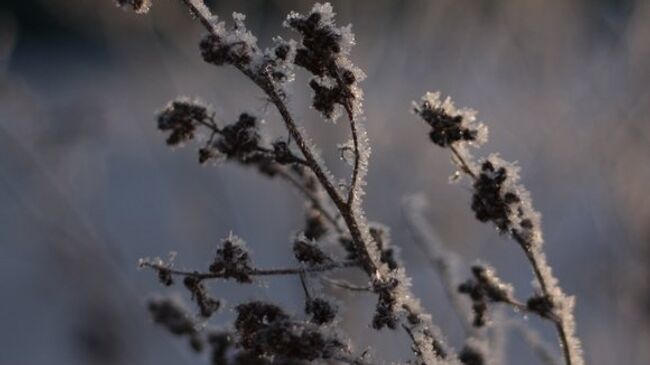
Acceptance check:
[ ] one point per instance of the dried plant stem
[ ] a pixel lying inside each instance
(350, 219)
(317, 203)
(534, 260)
(441, 259)
(354, 183)
(254, 272)
(348, 207)
(347, 286)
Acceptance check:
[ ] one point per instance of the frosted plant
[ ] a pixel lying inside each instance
(262, 331)
(499, 198)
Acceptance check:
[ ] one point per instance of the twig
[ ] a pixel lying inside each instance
(318, 204)
(441, 259)
(534, 261)
(253, 272)
(346, 285)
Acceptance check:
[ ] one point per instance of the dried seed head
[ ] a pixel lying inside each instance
(207, 305)
(138, 6)
(308, 252)
(232, 260)
(240, 139)
(180, 118)
(265, 330)
(171, 315)
(449, 125)
(321, 310)
(386, 310)
(541, 305)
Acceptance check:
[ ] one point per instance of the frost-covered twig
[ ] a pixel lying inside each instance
(500, 199)
(156, 265)
(542, 349)
(443, 260)
(323, 51)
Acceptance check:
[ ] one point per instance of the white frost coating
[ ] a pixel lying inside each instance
(317, 156)
(562, 304)
(494, 281)
(204, 12)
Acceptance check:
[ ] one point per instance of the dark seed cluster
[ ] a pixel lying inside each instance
(471, 356)
(173, 317)
(321, 310)
(485, 287)
(318, 53)
(180, 119)
(320, 43)
(221, 345)
(446, 129)
(309, 253)
(232, 261)
(387, 253)
(165, 277)
(326, 97)
(265, 330)
(218, 52)
(541, 305)
(207, 305)
(492, 201)
(386, 309)
(239, 139)
(315, 227)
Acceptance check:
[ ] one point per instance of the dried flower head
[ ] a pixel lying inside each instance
(239, 139)
(308, 252)
(386, 311)
(207, 305)
(232, 260)
(180, 118)
(321, 310)
(449, 125)
(265, 330)
(323, 51)
(486, 286)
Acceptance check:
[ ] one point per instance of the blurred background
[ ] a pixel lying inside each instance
(87, 186)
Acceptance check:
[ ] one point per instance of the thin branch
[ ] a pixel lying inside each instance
(460, 161)
(345, 285)
(267, 86)
(200, 12)
(253, 272)
(354, 183)
(214, 130)
(542, 349)
(441, 259)
(303, 283)
(318, 204)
